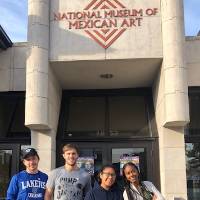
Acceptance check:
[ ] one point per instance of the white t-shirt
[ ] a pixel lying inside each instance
(149, 185)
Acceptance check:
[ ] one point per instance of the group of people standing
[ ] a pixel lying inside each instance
(72, 183)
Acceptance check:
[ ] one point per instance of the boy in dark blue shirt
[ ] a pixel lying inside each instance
(30, 183)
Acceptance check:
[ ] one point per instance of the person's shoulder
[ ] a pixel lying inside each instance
(43, 174)
(85, 175)
(57, 169)
(149, 184)
(90, 194)
(83, 172)
(56, 172)
(96, 187)
(94, 191)
(19, 175)
(117, 189)
(15, 176)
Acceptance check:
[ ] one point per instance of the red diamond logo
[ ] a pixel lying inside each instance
(105, 37)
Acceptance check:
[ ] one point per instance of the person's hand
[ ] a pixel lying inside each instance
(154, 197)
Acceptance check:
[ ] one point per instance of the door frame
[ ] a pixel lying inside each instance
(15, 156)
(15, 148)
(139, 144)
(150, 145)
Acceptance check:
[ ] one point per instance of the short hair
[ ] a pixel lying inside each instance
(67, 147)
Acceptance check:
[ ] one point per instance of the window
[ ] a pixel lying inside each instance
(86, 114)
(5, 170)
(194, 104)
(12, 115)
(192, 170)
(128, 114)
(118, 114)
(192, 145)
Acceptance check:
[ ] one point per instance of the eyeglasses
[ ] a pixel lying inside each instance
(109, 174)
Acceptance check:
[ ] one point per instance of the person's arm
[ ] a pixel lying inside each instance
(48, 194)
(50, 186)
(88, 186)
(157, 194)
(13, 189)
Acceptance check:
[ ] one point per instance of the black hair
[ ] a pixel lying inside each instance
(101, 171)
(130, 193)
(126, 182)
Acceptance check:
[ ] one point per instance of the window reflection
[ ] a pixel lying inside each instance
(193, 170)
(120, 156)
(194, 103)
(12, 114)
(127, 115)
(5, 171)
(107, 116)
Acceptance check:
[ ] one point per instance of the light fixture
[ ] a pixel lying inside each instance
(106, 76)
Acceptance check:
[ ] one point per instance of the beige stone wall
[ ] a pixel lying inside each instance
(171, 148)
(43, 91)
(37, 66)
(193, 60)
(13, 68)
(171, 102)
(170, 88)
(144, 41)
(45, 140)
(174, 65)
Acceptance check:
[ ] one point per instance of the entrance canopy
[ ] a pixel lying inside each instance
(106, 74)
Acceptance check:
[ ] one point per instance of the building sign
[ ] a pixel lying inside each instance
(104, 20)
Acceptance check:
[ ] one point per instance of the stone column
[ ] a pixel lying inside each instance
(37, 67)
(43, 92)
(174, 65)
(171, 102)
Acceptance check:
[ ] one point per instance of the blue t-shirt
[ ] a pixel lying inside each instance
(27, 186)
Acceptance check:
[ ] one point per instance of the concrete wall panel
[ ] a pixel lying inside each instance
(138, 40)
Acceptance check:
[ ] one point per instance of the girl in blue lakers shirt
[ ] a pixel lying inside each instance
(30, 183)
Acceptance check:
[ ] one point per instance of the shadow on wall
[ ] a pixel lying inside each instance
(66, 41)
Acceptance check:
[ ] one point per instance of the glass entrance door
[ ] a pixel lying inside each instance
(95, 154)
(8, 166)
(193, 170)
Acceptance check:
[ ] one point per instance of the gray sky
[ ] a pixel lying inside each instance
(13, 18)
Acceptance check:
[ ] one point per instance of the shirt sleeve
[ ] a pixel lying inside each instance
(153, 189)
(125, 195)
(13, 189)
(88, 186)
(51, 180)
